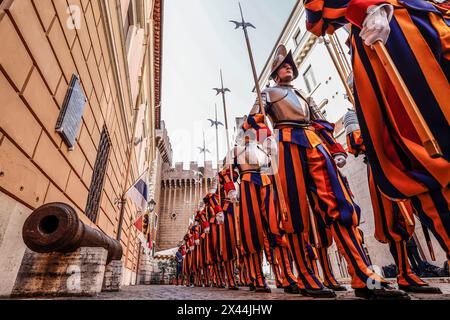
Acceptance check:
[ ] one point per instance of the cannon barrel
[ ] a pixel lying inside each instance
(55, 227)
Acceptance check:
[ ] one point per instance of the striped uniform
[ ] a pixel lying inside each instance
(269, 252)
(284, 261)
(203, 247)
(302, 152)
(420, 48)
(292, 221)
(257, 215)
(325, 131)
(228, 230)
(213, 208)
(390, 225)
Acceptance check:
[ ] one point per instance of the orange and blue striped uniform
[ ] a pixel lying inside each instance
(420, 49)
(325, 131)
(195, 231)
(281, 258)
(269, 252)
(213, 208)
(293, 220)
(307, 171)
(258, 214)
(228, 231)
(390, 224)
(202, 219)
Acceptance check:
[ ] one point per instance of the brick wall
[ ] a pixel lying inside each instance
(38, 56)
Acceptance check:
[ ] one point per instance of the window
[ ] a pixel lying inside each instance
(129, 18)
(310, 79)
(298, 37)
(98, 176)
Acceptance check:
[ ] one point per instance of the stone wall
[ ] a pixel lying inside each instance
(43, 44)
(181, 193)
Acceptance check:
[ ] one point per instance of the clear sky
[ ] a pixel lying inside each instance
(199, 40)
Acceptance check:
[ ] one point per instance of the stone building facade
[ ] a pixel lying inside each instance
(114, 50)
(319, 77)
(181, 192)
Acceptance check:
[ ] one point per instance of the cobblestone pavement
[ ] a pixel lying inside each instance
(156, 292)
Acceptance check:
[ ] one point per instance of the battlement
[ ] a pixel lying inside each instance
(178, 176)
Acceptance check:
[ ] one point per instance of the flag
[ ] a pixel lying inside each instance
(138, 193)
(139, 223)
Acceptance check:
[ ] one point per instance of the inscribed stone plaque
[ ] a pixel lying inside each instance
(69, 120)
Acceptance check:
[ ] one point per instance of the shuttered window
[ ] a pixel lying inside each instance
(98, 176)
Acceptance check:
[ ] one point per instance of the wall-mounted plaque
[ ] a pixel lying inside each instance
(69, 120)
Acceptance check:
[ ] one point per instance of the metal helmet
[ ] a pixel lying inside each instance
(282, 57)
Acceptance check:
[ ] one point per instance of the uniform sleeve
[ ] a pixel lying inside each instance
(355, 143)
(326, 16)
(256, 126)
(201, 217)
(225, 180)
(325, 130)
(214, 203)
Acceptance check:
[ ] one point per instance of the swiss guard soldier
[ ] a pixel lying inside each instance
(216, 218)
(308, 172)
(258, 213)
(390, 222)
(203, 222)
(227, 178)
(402, 162)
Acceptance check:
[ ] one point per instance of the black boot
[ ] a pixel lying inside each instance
(386, 292)
(292, 289)
(318, 293)
(264, 289)
(252, 287)
(420, 289)
(233, 288)
(338, 287)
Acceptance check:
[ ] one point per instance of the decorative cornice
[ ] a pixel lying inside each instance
(157, 56)
(305, 49)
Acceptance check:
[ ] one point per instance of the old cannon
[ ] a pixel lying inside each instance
(55, 227)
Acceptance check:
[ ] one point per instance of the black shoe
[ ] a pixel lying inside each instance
(339, 287)
(279, 286)
(384, 293)
(252, 287)
(233, 288)
(420, 289)
(292, 289)
(318, 293)
(265, 289)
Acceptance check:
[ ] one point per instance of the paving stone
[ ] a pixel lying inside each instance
(166, 292)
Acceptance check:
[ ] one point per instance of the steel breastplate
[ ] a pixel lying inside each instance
(285, 104)
(250, 158)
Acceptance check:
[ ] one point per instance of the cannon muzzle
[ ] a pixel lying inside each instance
(55, 227)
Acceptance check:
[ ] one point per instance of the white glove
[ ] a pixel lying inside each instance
(207, 230)
(197, 241)
(340, 160)
(220, 218)
(192, 248)
(376, 24)
(233, 196)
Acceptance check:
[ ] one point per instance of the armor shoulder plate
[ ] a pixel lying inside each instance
(302, 94)
(275, 94)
